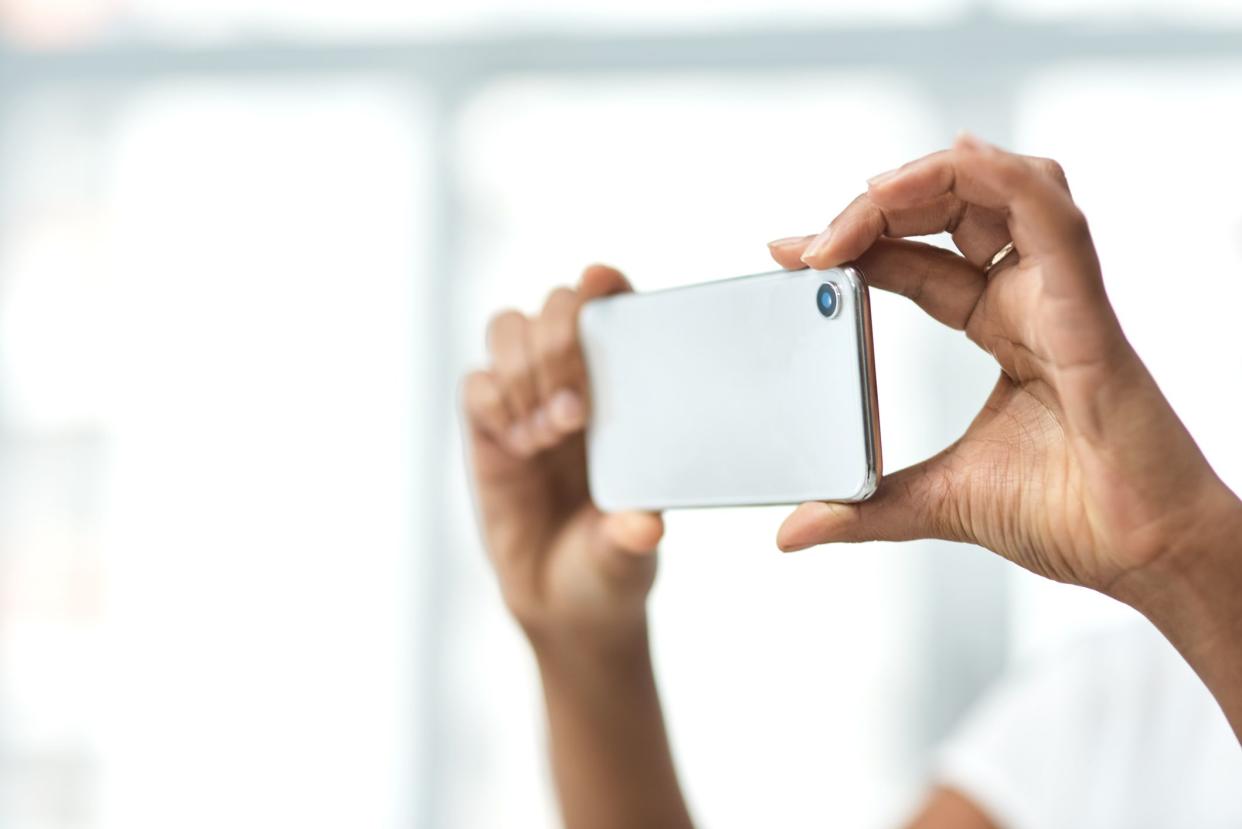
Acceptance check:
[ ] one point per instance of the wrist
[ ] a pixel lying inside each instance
(1190, 592)
(594, 624)
(590, 666)
(589, 644)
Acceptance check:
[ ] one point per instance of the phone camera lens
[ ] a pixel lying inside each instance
(828, 299)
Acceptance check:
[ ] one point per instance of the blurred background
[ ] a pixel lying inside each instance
(247, 247)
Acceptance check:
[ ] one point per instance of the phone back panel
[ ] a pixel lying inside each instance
(731, 393)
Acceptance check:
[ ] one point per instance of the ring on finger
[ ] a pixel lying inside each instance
(998, 257)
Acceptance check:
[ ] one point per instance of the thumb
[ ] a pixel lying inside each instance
(905, 507)
(633, 533)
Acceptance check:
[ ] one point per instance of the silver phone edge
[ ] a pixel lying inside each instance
(870, 397)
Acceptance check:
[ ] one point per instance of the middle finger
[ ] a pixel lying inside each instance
(977, 231)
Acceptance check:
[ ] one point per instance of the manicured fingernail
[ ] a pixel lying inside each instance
(788, 241)
(520, 439)
(888, 175)
(565, 409)
(818, 245)
(793, 548)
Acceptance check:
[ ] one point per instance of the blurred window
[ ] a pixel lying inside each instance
(209, 315)
(44, 23)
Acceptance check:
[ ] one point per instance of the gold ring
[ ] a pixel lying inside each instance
(998, 257)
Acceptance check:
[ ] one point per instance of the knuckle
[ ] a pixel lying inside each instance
(931, 500)
(1015, 173)
(956, 210)
(1053, 170)
(861, 209)
(1076, 224)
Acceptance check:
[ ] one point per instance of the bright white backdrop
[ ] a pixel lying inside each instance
(239, 581)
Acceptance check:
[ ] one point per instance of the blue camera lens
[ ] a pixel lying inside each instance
(828, 299)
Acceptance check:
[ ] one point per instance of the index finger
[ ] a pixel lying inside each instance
(977, 231)
(1042, 218)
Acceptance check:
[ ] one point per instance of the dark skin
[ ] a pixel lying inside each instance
(1076, 468)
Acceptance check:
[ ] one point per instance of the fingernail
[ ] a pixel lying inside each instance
(565, 409)
(520, 439)
(793, 548)
(818, 245)
(883, 177)
(788, 241)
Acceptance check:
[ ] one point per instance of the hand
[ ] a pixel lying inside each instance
(1076, 468)
(564, 567)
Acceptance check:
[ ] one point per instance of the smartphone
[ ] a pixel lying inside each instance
(753, 390)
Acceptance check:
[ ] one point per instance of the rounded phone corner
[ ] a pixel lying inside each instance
(854, 277)
(871, 482)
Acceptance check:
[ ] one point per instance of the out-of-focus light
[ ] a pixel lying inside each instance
(55, 23)
(214, 19)
(1189, 11)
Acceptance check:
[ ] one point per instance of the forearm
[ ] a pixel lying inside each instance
(1194, 596)
(610, 752)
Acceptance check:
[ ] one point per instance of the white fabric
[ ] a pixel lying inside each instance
(1115, 732)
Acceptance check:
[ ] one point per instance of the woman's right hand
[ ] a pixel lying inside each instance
(1076, 467)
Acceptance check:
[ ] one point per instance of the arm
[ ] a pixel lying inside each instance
(947, 808)
(1193, 594)
(610, 753)
(575, 579)
(1076, 467)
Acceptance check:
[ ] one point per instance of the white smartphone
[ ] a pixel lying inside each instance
(753, 390)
